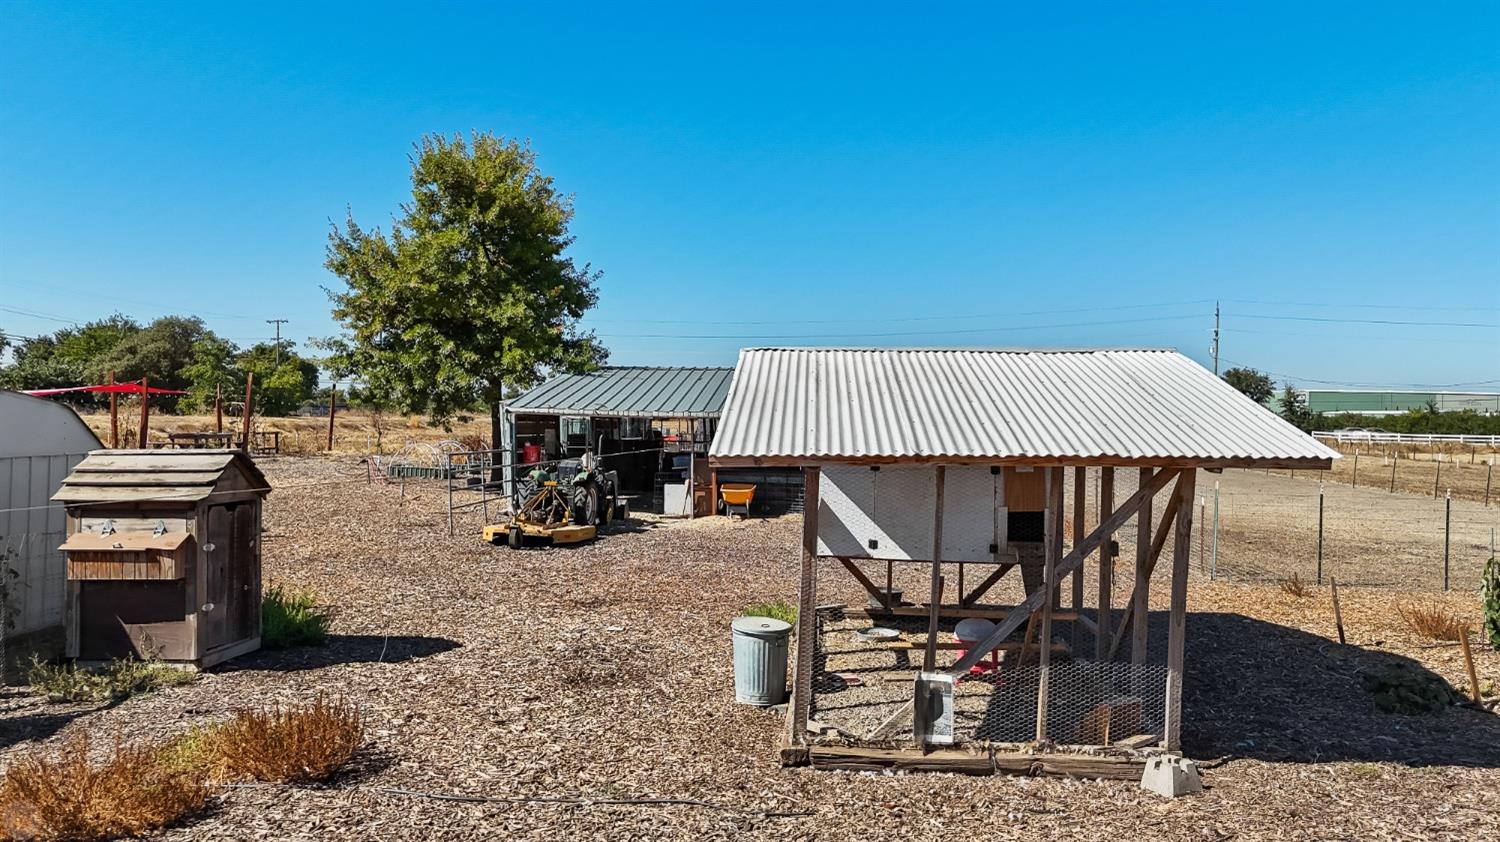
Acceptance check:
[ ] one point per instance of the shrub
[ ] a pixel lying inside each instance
(291, 618)
(1490, 601)
(1433, 623)
(1294, 587)
(116, 681)
(776, 609)
(63, 796)
(287, 745)
(1403, 688)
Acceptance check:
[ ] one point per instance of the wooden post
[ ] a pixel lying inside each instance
(1354, 478)
(1080, 498)
(1469, 664)
(245, 430)
(1106, 566)
(333, 401)
(1140, 607)
(1054, 535)
(807, 626)
(1338, 613)
(219, 408)
(145, 413)
(929, 660)
(1182, 547)
(1447, 533)
(114, 415)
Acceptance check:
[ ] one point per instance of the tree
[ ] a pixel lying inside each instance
(279, 389)
(162, 351)
(1253, 384)
(472, 292)
(67, 357)
(1294, 408)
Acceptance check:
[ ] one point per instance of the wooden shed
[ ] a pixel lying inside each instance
(163, 555)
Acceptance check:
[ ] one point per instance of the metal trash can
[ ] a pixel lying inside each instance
(760, 652)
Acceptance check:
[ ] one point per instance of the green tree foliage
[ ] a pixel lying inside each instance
(1294, 408)
(279, 389)
(472, 291)
(1464, 422)
(71, 356)
(1253, 384)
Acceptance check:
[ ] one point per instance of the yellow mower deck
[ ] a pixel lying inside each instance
(570, 534)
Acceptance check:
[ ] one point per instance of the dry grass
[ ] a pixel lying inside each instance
(290, 745)
(62, 795)
(1294, 587)
(1432, 623)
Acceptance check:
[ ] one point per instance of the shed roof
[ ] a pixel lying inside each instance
(128, 476)
(794, 406)
(631, 391)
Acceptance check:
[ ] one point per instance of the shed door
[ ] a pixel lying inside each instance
(232, 585)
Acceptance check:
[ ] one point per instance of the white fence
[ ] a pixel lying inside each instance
(1376, 437)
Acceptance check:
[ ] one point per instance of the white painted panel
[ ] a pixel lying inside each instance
(905, 500)
(846, 507)
(969, 513)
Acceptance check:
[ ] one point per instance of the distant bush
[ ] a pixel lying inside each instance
(1432, 623)
(1407, 689)
(116, 681)
(286, 745)
(1490, 601)
(291, 618)
(776, 609)
(61, 795)
(1465, 422)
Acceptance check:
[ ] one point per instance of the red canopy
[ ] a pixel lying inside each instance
(108, 388)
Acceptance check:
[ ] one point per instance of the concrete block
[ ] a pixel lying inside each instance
(1171, 776)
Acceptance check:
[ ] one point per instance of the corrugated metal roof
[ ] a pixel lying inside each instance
(631, 391)
(142, 475)
(794, 405)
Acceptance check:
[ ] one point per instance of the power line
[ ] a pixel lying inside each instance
(1296, 378)
(891, 319)
(1330, 320)
(889, 334)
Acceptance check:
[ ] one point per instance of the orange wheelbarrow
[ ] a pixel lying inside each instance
(735, 497)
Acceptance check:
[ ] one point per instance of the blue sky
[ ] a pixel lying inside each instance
(1095, 174)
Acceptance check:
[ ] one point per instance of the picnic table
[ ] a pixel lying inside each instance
(196, 440)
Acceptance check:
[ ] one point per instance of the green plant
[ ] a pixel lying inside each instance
(1401, 687)
(61, 795)
(116, 681)
(1490, 601)
(291, 745)
(776, 609)
(291, 618)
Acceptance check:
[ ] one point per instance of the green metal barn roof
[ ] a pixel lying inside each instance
(633, 391)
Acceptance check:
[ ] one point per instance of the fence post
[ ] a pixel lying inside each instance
(1489, 473)
(1213, 560)
(1437, 475)
(1447, 533)
(1354, 480)
(1394, 459)
(1320, 532)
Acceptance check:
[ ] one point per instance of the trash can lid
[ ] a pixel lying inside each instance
(761, 626)
(973, 629)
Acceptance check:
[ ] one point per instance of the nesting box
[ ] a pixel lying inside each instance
(163, 555)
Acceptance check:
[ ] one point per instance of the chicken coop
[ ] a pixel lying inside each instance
(980, 539)
(163, 555)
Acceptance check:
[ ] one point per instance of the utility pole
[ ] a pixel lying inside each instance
(1215, 348)
(280, 322)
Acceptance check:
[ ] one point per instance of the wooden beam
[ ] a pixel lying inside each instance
(864, 580)
(143, 442)
(1073, 559)
(1080, 497)
(1106, 566)
(989, 582)
(807, 627)
(1277, 463)
(1162, 530)
(1182, 547)
(949, 610)
(977, 761)
(1142, 590)
(1050, 581)
(929, 660)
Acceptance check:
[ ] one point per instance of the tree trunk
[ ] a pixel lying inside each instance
(497, 443)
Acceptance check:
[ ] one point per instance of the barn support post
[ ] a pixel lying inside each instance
(1139, 604)
(1054, 538)
(1106, 565)
(114, 415)
(1080, 497)
(934, 607)
(807, 627)
(145, 436)
(1177, 627)
(245, 424)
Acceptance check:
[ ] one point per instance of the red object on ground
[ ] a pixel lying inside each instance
(106, 389)
(531, 454)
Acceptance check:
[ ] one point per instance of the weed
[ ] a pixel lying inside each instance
(116, 681)
(1294, 587)
(776, 609)
(1433, 623)
(1490, 601)
(291, 618)
(63, 796)
(1408, 689)
(288, 745)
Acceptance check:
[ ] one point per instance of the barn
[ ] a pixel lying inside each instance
(40, 442)
(951, 471)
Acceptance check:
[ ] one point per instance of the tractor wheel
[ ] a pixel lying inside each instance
(585, 504)
(515, 538)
